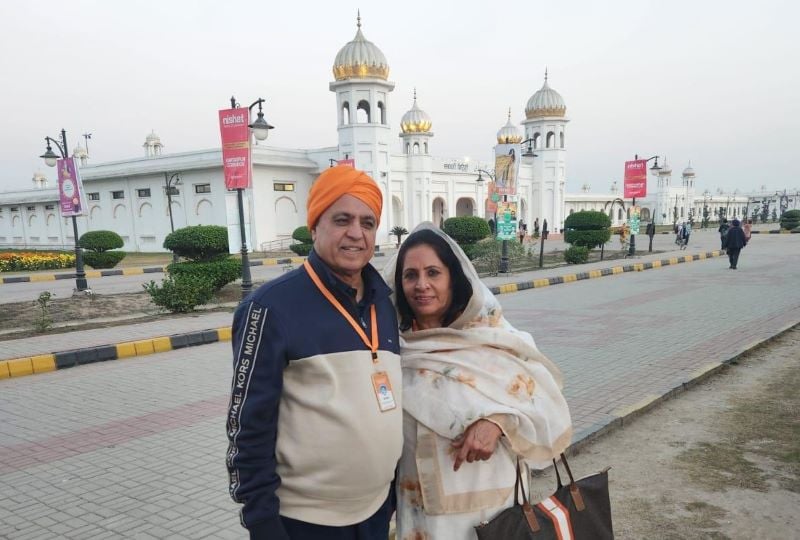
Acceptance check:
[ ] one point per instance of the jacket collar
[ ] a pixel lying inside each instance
(375, 287)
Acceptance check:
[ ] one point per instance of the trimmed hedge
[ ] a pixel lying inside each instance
(181, 293)
(216, 273)
(103, 259)
(200, 243)
(576, 254)
(467, 229)
(302, 235)
(587, 228)
(790, 220)
(301, 249)
(100, 241)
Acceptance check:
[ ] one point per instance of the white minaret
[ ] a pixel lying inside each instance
(362, 112)
(545, 122)
(688, 178)
(664, 197)
(415, 137)
(152, 145)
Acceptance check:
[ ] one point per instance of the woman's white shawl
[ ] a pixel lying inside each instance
(478, 367)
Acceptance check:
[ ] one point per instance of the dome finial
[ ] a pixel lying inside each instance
(545, 73)
(358, 18)
(415, 94)
(509, 114)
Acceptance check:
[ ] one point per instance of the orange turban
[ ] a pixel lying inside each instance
(338, 181)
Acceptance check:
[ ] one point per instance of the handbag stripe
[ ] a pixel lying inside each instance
(555, 511)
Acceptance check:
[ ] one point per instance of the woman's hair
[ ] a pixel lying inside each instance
(460, 287)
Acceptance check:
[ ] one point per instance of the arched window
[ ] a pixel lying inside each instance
(382, 110)
(408, 148)
(345, 113)
(537, 139)
(415, 148)
(426, 148)
(561, 139)
(551, 139)
(619, 214)
(362, 112)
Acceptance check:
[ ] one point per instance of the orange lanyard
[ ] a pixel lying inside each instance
(373, 345)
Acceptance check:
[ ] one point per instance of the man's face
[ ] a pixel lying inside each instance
(345, 236)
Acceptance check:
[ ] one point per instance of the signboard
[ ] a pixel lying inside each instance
(507, 220)
(635, 178)
(506, 168)
(351, 162)
(70, 188)
(235, 147)
(491, 199)
(633, 221)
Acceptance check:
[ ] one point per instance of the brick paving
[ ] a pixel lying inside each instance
(135, 448)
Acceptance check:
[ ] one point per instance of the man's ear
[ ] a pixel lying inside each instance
(313, 235)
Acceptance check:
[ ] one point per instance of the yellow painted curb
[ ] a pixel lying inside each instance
(688, 258)
(617, 270)
(701, 256)
(144, 346)
(539, 283)
(656, 264)
(569, 278)
(673, 260)
(93, 274)
(641, 404)
(269, 262)
(639, 267)
(4, 373)
(162, 344)
(125, 350)
(19, 367)
(132, 271)
(43, 363)
(297, 260)
(224, 334)
(595, 273)
(42, 277)
(508, 288)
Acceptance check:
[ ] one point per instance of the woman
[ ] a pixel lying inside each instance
(477, 394)
(748, 229)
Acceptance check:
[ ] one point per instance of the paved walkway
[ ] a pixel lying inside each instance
(135, 448)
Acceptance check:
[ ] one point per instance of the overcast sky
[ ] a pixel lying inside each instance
(714, 82)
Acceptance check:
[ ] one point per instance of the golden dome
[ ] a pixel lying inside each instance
(360, 59)
(509, 134)
(545, 102)
(416, 120)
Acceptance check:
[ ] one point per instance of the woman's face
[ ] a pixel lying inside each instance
(426, 285)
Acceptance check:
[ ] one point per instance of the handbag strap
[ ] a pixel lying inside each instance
(577, 498)
(519, 485)
(527, 509)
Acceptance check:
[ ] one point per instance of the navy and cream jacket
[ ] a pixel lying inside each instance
(307, 438)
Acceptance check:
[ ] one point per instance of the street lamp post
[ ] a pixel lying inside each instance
(260, 129)
(171, 182)
(655, 167)
(50, 159)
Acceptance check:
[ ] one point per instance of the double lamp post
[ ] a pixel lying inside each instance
(50, 159)
(503, 269)
(654, 168)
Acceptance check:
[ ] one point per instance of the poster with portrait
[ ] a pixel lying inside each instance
(71, 199)
(506, 168)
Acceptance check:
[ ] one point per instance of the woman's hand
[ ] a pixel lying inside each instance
(478, 443)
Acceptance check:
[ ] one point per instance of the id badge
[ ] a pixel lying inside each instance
(383, 391)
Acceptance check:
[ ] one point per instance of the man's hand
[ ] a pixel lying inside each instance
(478, 443)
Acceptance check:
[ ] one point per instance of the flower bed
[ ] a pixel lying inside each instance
(15, 261)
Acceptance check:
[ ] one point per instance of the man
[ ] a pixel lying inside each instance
(723, 233)
(735, 242)
(651, 232)
(315, 418)
(544, 229)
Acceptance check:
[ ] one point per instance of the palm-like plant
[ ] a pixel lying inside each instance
(398, 231)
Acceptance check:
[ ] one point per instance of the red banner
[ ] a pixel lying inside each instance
(350, 162)
(235, 147)
(636, 178)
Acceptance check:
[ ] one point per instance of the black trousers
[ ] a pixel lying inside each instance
(376, 527)
(733, 256)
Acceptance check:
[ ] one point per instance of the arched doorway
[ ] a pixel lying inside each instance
(397, 212)
(439, 212)
(465, 206)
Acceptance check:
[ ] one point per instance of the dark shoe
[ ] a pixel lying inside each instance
(733, 268)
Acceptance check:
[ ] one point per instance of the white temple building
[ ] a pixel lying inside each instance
(129, 196)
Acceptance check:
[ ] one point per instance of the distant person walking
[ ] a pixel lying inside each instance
(545, 232)
(651, 232)
(748, 229)
(723, 232)
(735, 241)
(536, 227)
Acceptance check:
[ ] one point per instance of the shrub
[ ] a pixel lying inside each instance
(302, 235)
(576, 254)
(199, 242)
(103, 259)
(216, 273)
(100, 241)
(467, 229)
(587, 228)
(180, 294)
(301, 249)
(487, 253)
(790, 220)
